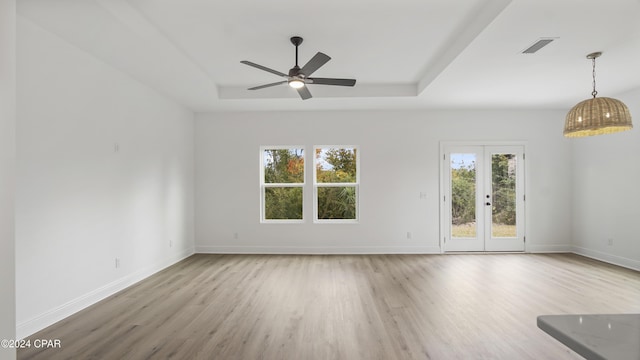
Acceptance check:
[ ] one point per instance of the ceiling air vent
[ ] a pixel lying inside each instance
(539, 44)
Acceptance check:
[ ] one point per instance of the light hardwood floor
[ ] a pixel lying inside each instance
(345, 307)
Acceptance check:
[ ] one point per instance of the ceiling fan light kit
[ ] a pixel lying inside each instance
(297, 77)
(296, 84)
(597, 116)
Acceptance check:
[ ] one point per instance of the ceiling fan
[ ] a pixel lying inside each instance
(298, 78)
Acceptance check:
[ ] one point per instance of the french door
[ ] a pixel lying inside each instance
(483, 198)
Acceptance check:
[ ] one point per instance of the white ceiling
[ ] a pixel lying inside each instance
(405, 54)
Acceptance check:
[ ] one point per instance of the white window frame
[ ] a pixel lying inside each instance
(264, 185)
(317, 185)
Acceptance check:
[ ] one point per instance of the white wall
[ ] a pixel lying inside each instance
(7, 172)
(606, 194)
(81, 202)
(399, 160)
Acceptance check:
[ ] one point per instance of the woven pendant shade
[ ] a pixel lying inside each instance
(597, 116)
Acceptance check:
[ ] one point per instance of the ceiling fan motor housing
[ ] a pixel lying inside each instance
(295, 71)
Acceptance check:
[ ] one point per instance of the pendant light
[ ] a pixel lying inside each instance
(597, 116)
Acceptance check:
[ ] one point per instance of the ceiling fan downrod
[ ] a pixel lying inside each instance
(296, 40)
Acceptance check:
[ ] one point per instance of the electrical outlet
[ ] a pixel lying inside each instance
(235, 236)
(408, 234)
(117, 263)
(610, 242)
(170, 243)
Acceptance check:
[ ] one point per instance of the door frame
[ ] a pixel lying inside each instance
(443, 187)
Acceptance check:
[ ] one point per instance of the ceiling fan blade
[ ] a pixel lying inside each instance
(315, 63)
(263, 68)
(268, 85)
(329, 81)
(304, 93)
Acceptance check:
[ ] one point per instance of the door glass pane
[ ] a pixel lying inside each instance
(463, 195)
(503, 207)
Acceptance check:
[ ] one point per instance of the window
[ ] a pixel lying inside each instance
(336, 180)
(282, 183)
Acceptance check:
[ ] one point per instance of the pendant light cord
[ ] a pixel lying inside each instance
(593, 74)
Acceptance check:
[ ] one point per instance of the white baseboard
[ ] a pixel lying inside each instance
(533, 248)
(338, 250)
(608, 258)
(33, 325)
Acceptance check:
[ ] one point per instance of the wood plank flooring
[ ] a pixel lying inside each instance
(345, 307)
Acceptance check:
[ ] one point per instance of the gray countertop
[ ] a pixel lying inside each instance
(596, 336)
